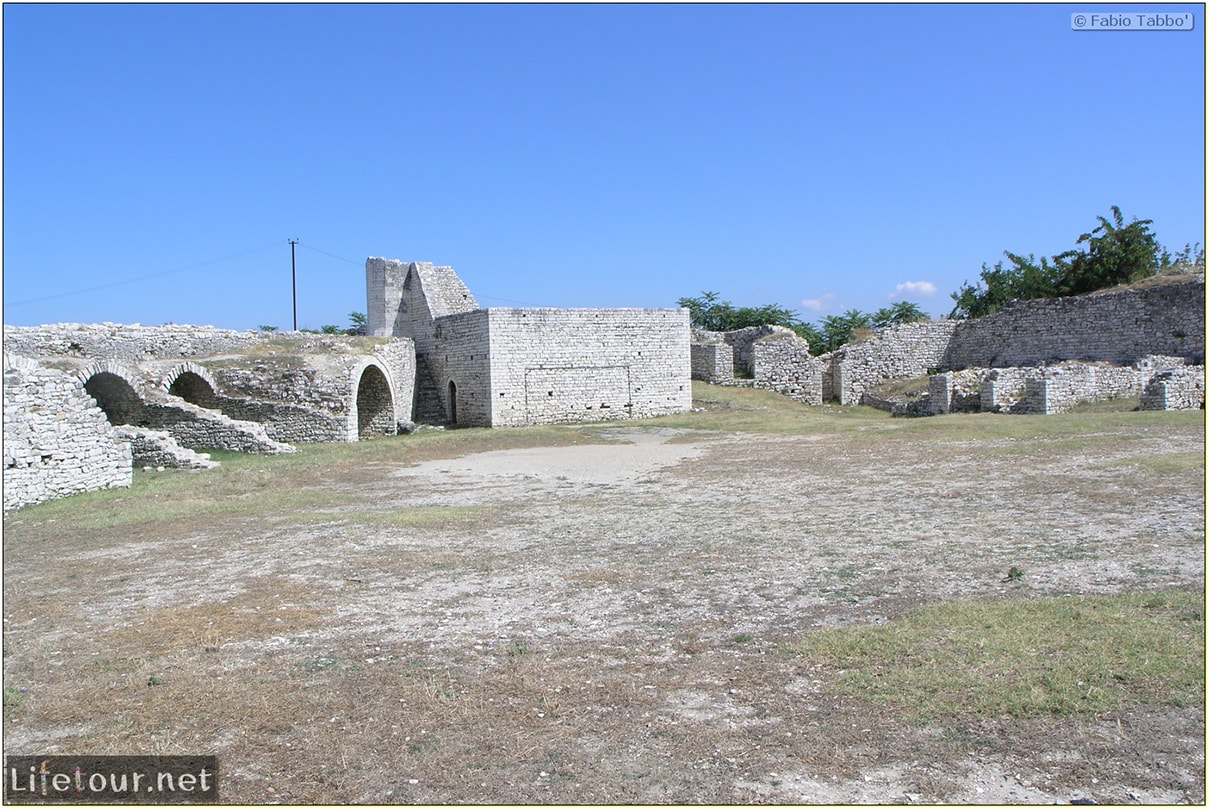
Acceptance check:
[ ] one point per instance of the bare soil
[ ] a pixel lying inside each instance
(607, 622)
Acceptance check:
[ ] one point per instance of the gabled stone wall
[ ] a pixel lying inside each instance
(405, 298)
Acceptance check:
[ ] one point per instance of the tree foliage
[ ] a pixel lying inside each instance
(708, 312)
(1111, 254)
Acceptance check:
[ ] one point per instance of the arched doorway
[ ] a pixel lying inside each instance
(194, 389)
(114, 395)
(375, 406)
(453, 403)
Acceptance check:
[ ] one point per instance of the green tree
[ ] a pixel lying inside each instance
(707, 312)
(897, 314)
(1114, 253)
(1189, 260)
(838, 329)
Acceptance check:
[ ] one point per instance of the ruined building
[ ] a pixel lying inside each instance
(83, 403)
(505, 367)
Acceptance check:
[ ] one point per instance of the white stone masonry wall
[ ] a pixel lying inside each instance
(1176, 389)
(781, 361)
(553, 365)
(56, 440)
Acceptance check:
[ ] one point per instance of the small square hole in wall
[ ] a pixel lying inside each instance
(550, 393)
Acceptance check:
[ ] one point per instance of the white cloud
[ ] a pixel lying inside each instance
(924, 289)
(820, 303)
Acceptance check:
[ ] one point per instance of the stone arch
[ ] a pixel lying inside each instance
(373, 410)
(193, 383)
(115, 390)
(453, 403)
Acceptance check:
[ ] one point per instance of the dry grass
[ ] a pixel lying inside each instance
(337, 634)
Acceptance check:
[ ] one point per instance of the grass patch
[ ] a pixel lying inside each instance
(1024, 657)
(1171, 464)
(734, 409)
(14, 697)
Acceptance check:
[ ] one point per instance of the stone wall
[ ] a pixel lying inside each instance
(1176, 389)
(461, 368)
(1119, 326)
(554, 365)
(1058, 388)
(1050, 389)
(128, 342)
(781, 361)
(198, 428)
(1165, 317)
(56, 440)
(301, 387)
(158, 449)
(903, 352)
(405, 298)
(713, 362)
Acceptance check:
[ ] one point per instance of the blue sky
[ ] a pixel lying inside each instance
(819, 157)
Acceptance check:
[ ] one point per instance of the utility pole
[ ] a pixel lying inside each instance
(294, 275)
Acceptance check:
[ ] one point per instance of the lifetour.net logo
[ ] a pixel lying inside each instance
(110, 779)
(1132, 21)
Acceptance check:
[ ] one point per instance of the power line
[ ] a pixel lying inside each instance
(332, 255)
(362, 264)
(139, 279)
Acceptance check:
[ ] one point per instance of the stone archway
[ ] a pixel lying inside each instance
(117, 398)
(453, 403)
(196, 389)
(375, 405)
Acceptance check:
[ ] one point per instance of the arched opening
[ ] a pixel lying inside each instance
(453, 403)
(193, 388)
(116, 398)
(375, 407)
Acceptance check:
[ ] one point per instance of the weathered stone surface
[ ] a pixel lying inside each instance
(781, 361)
(159, 449)
(56, 440)
(1176, 389)
(504, 367)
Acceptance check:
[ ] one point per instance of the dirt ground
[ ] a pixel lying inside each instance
(607, 623)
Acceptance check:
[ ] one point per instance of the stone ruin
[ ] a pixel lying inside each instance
(1038, 357)
(86, 404)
